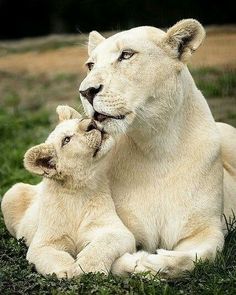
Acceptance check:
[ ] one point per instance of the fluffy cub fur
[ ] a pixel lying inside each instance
(68, 220)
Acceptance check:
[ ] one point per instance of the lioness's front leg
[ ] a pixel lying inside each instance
(103, 250)
(172, 264)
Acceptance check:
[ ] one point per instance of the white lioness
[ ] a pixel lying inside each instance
(69, 219)
(166, 174)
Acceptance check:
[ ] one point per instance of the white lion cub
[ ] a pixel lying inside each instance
(70, 224)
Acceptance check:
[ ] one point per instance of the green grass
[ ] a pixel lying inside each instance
(28, 92)
(26, 115)
(18, 277)
(17, 133)
(215, 82)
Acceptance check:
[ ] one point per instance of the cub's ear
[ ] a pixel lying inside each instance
(94, 39)
(41, 160)
(67, 113)
(184, 38)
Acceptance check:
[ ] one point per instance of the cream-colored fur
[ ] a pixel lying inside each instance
(68, 220)
(166, 173)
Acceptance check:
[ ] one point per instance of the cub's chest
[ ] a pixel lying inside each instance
(63, 214)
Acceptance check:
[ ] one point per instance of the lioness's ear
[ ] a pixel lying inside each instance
(67, 113)
(184, 38)
(41, 160)
(94, 39)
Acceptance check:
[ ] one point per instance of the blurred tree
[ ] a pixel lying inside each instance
(24, 18)
(21, 18)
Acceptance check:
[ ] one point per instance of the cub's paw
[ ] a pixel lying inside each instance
(63, 274)
(64, 270)
(82, 266)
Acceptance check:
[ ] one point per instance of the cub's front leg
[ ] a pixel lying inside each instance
(50, 258)
(101, 251)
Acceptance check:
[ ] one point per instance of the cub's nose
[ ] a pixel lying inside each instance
(92, 125)
(87, 125)
(91, 92)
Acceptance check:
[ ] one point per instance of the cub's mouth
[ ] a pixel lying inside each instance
(102, 117)
(104, 137)
(96, 137)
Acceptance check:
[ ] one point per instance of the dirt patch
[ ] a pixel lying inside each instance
(218, 50)
(64, 60)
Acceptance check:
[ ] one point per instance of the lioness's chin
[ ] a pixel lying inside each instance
(118, 126)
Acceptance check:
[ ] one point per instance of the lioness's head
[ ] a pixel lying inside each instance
(136, 73)
(75, 147)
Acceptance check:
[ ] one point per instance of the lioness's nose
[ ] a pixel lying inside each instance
(91, 92)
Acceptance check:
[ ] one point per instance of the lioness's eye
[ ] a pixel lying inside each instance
(66, 140)
(90, 65)
(126, 54)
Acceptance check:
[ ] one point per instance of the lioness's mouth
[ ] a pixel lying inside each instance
(102, 117)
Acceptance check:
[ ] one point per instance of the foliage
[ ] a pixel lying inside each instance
(215, 82)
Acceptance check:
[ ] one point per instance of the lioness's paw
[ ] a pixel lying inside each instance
(161, 264)
(124, 265)
(129, 263)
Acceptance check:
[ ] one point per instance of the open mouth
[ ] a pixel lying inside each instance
(102, 117)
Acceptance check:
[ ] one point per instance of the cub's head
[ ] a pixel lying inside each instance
(74, 148)
(137, 73)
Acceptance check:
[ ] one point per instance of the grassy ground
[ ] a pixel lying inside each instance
(27, 104)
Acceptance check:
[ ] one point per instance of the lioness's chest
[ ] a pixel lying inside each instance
(144, 202)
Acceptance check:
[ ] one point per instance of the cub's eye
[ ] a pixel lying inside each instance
(90, 65)
(66, 140)
(126, 54)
